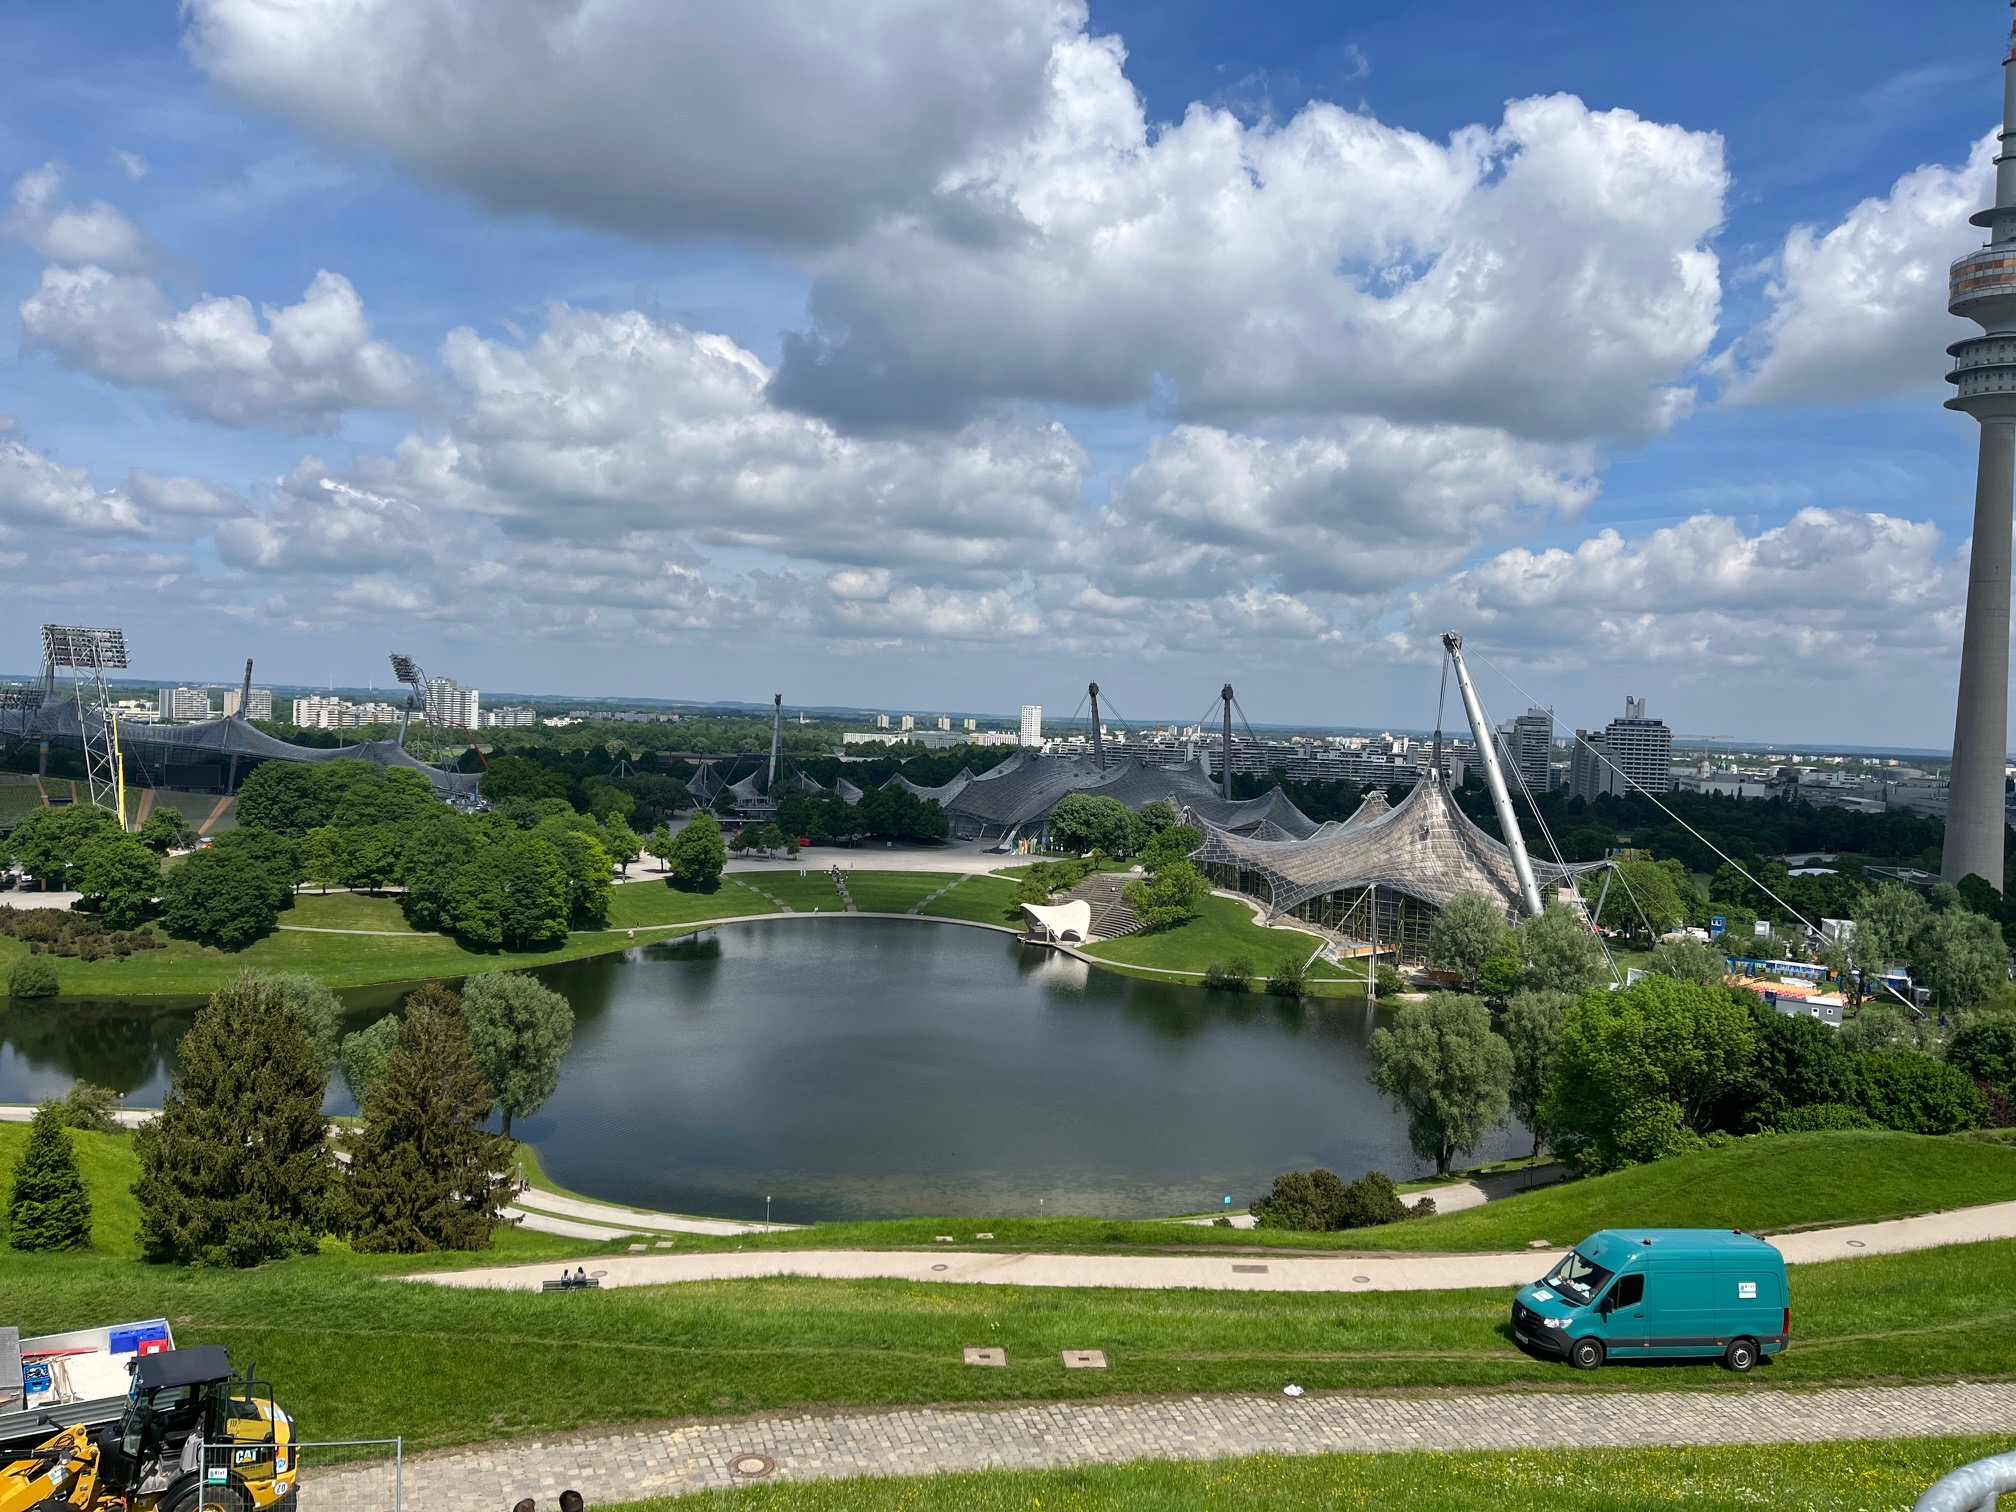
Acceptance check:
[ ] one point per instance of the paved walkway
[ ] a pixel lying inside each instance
(541, 1210)
(1271, 1271)
(668, 1460)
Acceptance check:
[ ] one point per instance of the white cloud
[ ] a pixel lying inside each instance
(40, 495)
(132, 164)
(1363, 508)
(1819, 596)
(787, 119)
(309, 362)
(98, 234)
(1550, 276)
(1859, 311)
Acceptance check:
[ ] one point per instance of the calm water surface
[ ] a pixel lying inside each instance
(866, 1069)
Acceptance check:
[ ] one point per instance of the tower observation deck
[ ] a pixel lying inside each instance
(1983, 290)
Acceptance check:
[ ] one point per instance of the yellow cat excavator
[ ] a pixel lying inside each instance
(191, 1436)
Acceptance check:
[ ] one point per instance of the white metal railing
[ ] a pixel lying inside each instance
(368, 1484)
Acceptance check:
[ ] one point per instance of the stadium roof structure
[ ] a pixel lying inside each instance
(1020, 794)
(214, 739)
(1424, 846)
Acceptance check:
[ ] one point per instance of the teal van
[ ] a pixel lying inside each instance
(1659, 1294)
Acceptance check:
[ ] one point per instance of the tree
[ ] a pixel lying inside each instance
(1561, 954)
(1532, 1024)
(521, 777)
(529, 887)
(1886, 921)
(1985, 1049)
(237, 1169)
(1688, 960)
(621, 842)
(1498, 978)
(317, 1010)
(1641, 1073)
(284, 797)
(426, 1175)
(1643, 892)
(1468, 931)
(32, 977)
(363, 1056)
(1876, 1026)
(48, 1207)
(1798, 1062)
(119, 877)
(520, 1031)
(325, 857)
(1290, 978)
(659, 843)
(218, 897)
(1083, 822)
(696, 856)
(1170, 844)
(1442, 1064)
(47, 840)
(1961, 957)
(1171, 896)
(167, 829)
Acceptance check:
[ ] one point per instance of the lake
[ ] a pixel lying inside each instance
(853, 1068)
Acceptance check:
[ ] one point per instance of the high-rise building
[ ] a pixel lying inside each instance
(448, 702)
(944, 722)
(511, 717)
(258, 706)
(1642, 746)
(881, 721)
(972, 724)
(182, 704)
(1588, 777)
(1032, 724)
(909, 721)
(1982, 288)
(1529, 748)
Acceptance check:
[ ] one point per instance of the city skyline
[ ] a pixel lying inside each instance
(562, 436)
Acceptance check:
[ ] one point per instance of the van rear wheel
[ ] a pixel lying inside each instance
(1740, 1356)
(1585, 1354)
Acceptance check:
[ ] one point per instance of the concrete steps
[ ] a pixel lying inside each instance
(1111, 917)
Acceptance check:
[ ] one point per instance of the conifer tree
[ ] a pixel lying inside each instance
(48, 1209)
(427, 1175)
(236, 1170)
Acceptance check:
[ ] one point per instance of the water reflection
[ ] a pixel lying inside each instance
(862, 1068)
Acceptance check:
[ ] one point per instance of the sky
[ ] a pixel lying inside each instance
(948, 354)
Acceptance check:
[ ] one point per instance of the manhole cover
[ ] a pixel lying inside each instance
(941, 1267)
(751, 1466)
(1361, 1280)
(1856, 1244)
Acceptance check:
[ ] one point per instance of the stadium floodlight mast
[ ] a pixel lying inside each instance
(408, 671)
(90, 652)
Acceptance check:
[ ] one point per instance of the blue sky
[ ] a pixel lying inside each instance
(977, 472)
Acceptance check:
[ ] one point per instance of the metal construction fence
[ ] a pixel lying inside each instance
(321, 1475)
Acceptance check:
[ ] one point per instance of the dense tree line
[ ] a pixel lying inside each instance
(1609, 1079)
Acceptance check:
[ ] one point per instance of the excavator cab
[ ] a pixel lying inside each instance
(197, 1437)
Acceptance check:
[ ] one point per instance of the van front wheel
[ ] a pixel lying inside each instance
(1740, 1356)
(1585, 1354)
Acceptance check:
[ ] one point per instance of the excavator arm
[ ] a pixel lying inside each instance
(61, 1473)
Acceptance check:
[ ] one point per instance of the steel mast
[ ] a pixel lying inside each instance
(1494, 777)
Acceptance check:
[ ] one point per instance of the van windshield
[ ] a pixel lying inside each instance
(1578, 1279)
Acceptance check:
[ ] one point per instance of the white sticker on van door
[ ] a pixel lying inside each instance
(1746, 1291)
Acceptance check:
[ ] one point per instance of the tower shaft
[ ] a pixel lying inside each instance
(1098, 745)
(1983, 289)
(1225, 767)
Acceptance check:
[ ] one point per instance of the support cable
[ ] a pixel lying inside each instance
(1731, 860)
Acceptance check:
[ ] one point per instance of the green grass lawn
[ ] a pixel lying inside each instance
(1222, 929)
(183, 967)
(984, 900)
(341, 910)
(893, 892)
(18, 799)
(1857, 1476)
(802, 894)
(356, 1354)
(195, 807)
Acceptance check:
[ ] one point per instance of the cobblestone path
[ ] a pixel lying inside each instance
(667, 1460)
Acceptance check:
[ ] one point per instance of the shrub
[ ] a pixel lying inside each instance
(1319, 1202)
(1903, 1090)
(89, 1108)
(1816, 1116)
(48, 1207)
(32, 977)
(1228, 976)
(1168, 898)
(1290, 978)
(1688, 960)
(1986, 1050)
(1500, 976)
(1391, 983)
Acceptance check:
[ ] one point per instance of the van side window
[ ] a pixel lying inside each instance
(1628, 1292)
